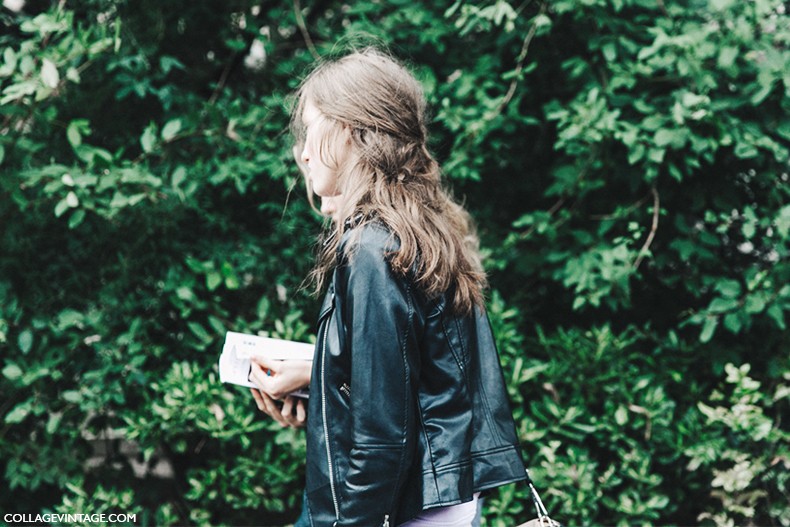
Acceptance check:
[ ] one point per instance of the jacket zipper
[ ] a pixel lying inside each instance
(386, 521)
(346, 389)
(326, 428)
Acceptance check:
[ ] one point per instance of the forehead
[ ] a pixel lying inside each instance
(310, 113)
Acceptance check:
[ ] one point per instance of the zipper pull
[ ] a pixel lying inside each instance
(386, 521)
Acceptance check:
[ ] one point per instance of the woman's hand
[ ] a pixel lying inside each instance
(292, 413)
(278, 378)
(274, 381)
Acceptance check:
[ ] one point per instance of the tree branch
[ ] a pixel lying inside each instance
(653, 229)
(303, 28)
(522, 56)
(223, 78)
(614, 216)
(560, 202)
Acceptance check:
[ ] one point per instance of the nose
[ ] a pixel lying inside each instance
(305, 157)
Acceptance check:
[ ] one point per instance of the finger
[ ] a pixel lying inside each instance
(266, 405)
(264, 382)
(288, 405)
(258, 370)
(266, 363)
(301, 413)
(291, 411)
(257, 396)
(273, 409)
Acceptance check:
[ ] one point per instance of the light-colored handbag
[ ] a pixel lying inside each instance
(543, 519)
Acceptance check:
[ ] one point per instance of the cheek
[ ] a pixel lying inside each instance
(343, 151)
(321, 154)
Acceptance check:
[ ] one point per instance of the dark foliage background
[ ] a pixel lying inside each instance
(627, 163)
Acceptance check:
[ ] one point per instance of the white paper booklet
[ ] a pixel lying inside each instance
(234, 362)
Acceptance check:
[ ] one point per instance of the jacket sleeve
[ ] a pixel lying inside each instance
(377, 311)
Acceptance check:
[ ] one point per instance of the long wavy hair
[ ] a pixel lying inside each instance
(373, 106)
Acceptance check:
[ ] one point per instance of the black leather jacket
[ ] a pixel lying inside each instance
(408, 408)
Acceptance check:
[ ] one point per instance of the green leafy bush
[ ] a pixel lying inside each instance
(627, 163)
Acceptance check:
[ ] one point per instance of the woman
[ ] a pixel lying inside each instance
(408, 418)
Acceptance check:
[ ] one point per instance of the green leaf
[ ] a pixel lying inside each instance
(720, 305)
(729, 288)
(578, 302)
(72, 200)
(70, 318)
(542, 22)
(732, 321)
(749, 229)
(621, 415)
(61, 207)
(49, 74)
(708, 329)
(148, 139)
(12, 372)
(179, 175)
(656, 155)
(118, 201)
(167, 63)
(73, 75)
(663, 137)
(76, 218)
(18, 414)
(783, 221)
(199, 331)
(232, 282)
(134, 199)
(171, 129)
(72, 396)
(9, 56)
(755, 303)
(18, 90)
(85, 180)
(721, 5)
(745, 150)
(670, 137)
(777, 314)
(213, 279)
(76, 129)
(185, 294)
(727, 56)
(53, 422)
(760, 95)
(609, 51)
(73, 135)
(25, 341)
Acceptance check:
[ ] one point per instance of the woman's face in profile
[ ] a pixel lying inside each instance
(323, 178)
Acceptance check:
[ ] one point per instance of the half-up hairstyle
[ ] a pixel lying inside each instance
(372, 102)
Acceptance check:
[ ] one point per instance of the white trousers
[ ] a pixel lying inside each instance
(461, 515)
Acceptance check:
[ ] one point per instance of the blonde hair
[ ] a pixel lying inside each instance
(371, 101)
